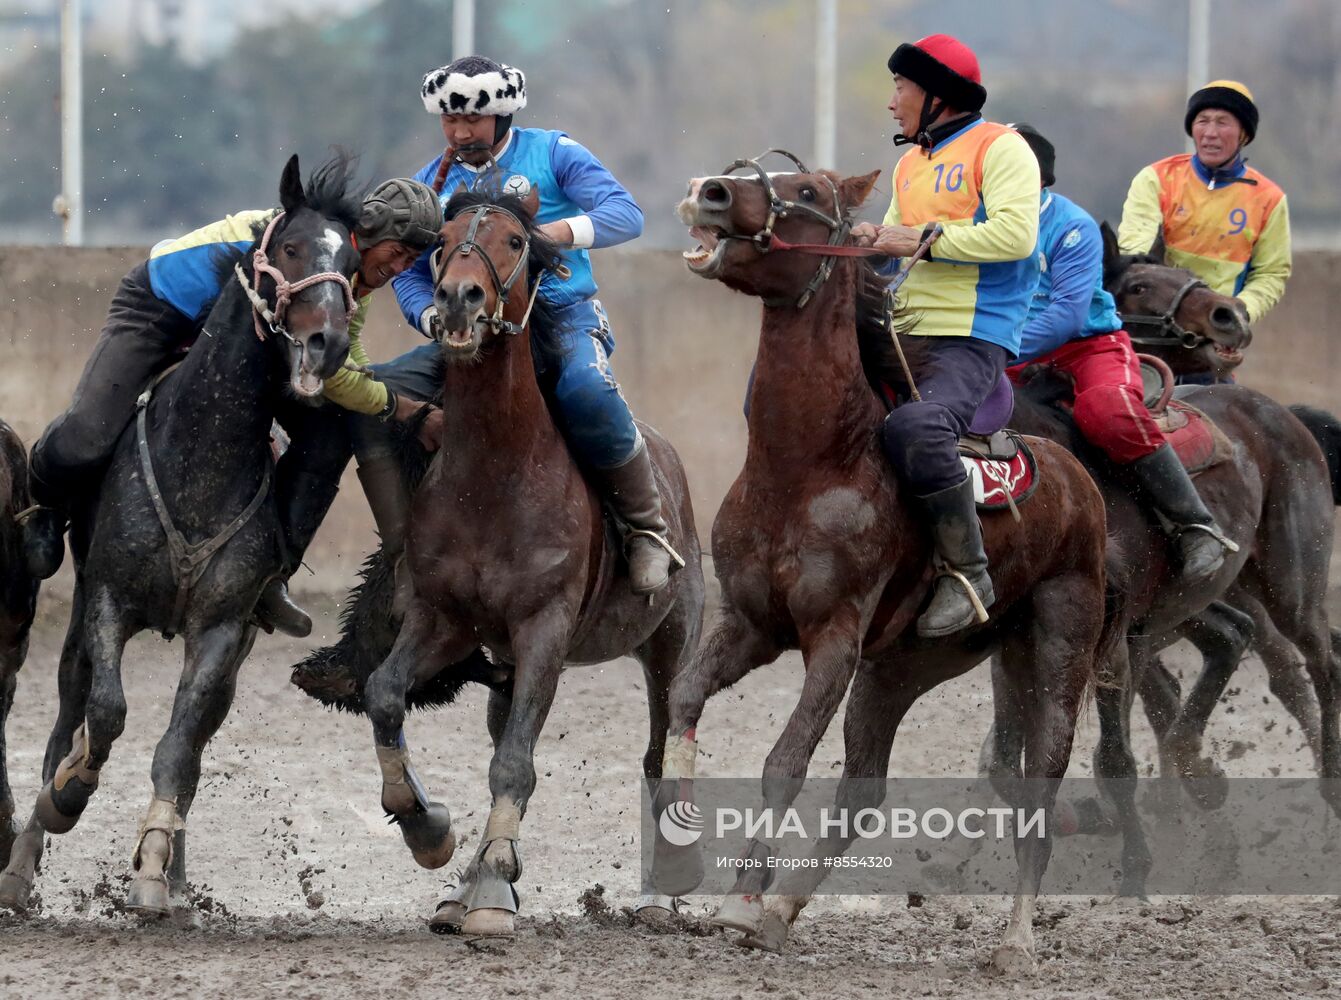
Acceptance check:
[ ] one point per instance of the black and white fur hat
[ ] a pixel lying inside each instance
(474, 85)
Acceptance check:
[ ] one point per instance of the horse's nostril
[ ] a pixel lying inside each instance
(316, 345)
(716, 194)
(1224, 317)
(474, 296)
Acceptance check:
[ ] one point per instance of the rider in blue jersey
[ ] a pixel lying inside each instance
(581, 206)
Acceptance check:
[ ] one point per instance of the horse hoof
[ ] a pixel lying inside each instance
(1013, 962)
(448, 917)
(489, 921)
(149, 897)
(50, 814)
(656, 909)
(676, 871)
(429, 836)
(771, 935)
(740, 913)
(15, 892)
(1206, 783)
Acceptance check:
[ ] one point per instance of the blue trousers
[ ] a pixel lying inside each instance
(595, 420)
(921, 438)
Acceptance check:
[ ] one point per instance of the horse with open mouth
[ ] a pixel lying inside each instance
(195, 469)
(817, 549)
(510, 549)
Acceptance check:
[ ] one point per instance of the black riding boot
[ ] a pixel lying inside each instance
(961, 563)
(389, 500)
(632, 491)
(1166, 484)
(303, 502)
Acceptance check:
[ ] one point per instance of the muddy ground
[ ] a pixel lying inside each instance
(302, 890)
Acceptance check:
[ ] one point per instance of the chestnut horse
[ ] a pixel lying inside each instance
(818, 548)
(510, 550)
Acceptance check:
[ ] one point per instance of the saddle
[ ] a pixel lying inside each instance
(996, 459)
(1194, 437)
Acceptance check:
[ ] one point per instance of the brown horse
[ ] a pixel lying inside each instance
(510, 550)
(817, 549)
(18, 605)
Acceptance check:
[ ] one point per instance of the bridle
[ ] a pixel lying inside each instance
(285, 290)
(502, 288)
(1168, 331)
(766, 241)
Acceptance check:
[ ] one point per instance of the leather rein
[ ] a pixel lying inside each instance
(1168, 332)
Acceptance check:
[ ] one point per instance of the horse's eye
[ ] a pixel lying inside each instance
(1138, 289)
(516, 243)
(289, 251)
(807, 194)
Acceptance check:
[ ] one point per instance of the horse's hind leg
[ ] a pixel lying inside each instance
(831, 653)
(1049, 674)
(74, 676)
(1286, 676)
(204, 696)
(1115, 770)
(732, 649)
(10, 661)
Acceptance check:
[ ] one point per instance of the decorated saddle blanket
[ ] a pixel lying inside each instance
(1001, 468)
(1195, 438)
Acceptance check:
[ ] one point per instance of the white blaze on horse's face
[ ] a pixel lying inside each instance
(706, 210)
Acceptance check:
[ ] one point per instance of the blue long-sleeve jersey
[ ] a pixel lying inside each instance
(1070, 301)
(573, 185)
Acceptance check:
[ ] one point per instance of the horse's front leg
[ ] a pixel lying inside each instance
(425, 645)
(10, 661)
(540, 644)
(831, 651)
(204, 696)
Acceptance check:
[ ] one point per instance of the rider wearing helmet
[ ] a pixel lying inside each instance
(582, 206)
(1223, 220)
(1074, 327)
(971, 294)
(155, 315)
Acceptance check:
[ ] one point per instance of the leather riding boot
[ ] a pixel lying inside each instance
(276, 611)
(303, 501)
(389, 500)
(631, 490)
(43, 526)
(961, 563)
(1169, 489)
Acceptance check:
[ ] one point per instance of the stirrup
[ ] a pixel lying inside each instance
(1210, 529)
(970, 591)
(27, 512)
(659, 539)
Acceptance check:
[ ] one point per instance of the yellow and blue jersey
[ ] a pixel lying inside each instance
(982, 184)
(183, 272)
(1229, 227)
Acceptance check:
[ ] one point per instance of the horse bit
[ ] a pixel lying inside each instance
(285, 290)
(1167, 326)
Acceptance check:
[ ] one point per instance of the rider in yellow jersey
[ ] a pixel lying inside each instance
(1223, 220)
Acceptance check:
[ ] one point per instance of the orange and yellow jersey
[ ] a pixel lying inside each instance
(981, 183)
(1231, 228)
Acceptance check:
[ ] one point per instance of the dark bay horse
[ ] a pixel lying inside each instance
(205, 434)
(18, 605)
(816, 549)
(1274, 498)
(510, 550)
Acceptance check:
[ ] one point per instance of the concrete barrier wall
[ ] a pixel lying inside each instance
(685, 347)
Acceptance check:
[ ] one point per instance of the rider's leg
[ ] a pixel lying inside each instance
(599, 427)
(141, 335)
(417, 374)
(1111, 414)
(921, 440)
(307, 479)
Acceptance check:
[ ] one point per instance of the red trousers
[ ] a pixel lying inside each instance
(1109, 407)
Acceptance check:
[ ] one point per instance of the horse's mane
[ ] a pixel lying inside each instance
(876, 329)
(547, 346)
(331, 191)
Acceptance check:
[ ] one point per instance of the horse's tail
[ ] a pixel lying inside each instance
(1326, 430)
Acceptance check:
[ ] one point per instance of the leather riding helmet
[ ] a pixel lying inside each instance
(400, 209)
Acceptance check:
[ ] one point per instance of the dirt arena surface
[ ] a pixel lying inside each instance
(302, 890)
